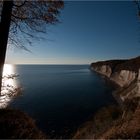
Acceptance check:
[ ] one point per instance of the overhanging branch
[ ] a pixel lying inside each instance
(20, 5)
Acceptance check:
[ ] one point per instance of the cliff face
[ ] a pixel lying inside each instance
(130, 91)
(122, 77)
(117, 122)
(125, 73)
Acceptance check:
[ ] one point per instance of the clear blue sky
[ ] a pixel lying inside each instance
(89, 31)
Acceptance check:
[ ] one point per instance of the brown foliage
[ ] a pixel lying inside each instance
(108, 123)
(15, 124)
(128, 129)
(100, 122)
(28, 18)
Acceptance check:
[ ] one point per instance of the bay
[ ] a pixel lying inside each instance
(61, 97)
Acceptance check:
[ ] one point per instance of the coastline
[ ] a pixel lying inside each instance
(117, 98)
(114, 84)
(124, 73)
(113, 121)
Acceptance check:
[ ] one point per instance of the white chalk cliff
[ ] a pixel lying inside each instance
(132, 90)
(125, 73)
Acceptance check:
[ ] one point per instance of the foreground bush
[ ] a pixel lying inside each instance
(15, 124)
(127, 129)
(113, 123)
(100, 122)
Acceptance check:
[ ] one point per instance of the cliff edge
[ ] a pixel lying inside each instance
(125, 73)
(116, 122)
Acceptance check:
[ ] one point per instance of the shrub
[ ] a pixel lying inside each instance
(18, 125)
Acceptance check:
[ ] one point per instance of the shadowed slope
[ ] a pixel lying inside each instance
(15, 124)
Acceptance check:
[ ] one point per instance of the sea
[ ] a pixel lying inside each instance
(60, 98)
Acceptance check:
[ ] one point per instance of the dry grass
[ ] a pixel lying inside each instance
(97, 125)
(15, 124)
(128, 129)
(113, 123)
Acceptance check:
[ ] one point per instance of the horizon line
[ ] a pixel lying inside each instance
(43, 64)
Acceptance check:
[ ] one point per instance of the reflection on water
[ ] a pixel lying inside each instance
(9, 85)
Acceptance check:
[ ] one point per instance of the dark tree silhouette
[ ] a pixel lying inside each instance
(22, 20)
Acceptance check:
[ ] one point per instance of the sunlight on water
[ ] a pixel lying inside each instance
(8, 69)
(9, 85)
(8, 72)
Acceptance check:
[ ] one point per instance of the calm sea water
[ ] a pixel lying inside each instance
(61, 97)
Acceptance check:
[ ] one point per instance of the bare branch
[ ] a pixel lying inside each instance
(31, 17)
(20, 5)
(20, 18)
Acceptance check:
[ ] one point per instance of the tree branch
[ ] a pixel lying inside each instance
(20, 5)
(21, 18)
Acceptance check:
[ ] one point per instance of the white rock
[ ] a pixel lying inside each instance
(124, 77)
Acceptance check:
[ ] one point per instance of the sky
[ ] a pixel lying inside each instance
(89, 31)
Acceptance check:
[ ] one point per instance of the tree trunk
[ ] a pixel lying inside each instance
(4, 32)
